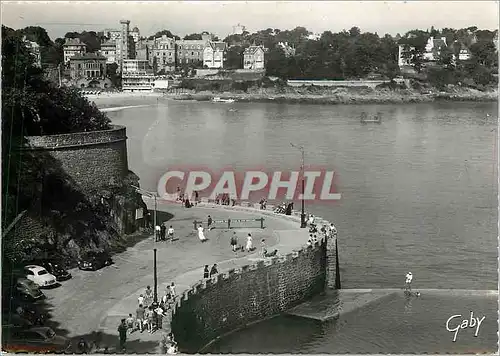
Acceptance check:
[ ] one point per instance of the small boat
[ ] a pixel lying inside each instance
(219, 100)
(377, 119)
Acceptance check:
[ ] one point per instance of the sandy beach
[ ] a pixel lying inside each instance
(122, 100)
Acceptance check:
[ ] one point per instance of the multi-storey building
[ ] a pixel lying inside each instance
(137, 75)
(34, 49)
(72, 47)
(87, 66)
(108, 50)
(214, 54)
(142, 51)
(253, 58)
(163, 53)
(191, 51)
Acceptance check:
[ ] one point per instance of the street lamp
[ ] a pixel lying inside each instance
(303, 214)
(149, 195)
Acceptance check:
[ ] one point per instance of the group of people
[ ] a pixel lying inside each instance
(164, 234)
(225, 199)
(328, 231)
(209, 273)
(149, 315)
(184, 199)
(236, 247)
(284, 208)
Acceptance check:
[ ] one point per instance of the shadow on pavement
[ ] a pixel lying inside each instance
(97, 342)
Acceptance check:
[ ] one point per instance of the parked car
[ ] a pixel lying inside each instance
(27, 311)
(15, 320)
(93, 261)
(28, 290)
(37, 339)
(40, 276)
(54, 268)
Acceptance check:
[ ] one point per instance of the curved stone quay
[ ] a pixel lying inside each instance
(97, 301)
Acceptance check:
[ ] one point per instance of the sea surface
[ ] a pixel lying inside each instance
(419, 193)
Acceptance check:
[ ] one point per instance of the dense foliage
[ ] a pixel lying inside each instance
(33, 106)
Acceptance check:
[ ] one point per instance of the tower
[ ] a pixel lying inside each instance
(125, 30)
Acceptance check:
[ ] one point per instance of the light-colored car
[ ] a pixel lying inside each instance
(40, 276)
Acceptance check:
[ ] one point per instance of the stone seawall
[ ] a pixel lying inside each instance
(93, 159)
(215, 307)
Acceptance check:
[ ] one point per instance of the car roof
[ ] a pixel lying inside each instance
(34, 267)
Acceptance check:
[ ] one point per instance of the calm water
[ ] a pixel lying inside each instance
(419, 191)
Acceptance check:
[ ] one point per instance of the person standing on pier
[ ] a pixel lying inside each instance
(122, 331)
(249, 243)
(201, 234)
(206, 272)
(209, 223)
(234, 241)
(409, 278)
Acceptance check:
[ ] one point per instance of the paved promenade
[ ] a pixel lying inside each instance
(93, 301)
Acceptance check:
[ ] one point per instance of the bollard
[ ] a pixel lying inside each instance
(261, 223)
(229, 223)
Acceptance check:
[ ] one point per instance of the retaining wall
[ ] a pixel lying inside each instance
(230, 301)
(336, 83)
(92, 159)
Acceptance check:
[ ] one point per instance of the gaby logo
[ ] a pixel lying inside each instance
(252, 185)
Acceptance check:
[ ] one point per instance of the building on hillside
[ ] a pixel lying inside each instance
(112, 35)
(88, 66)
(163, 54)
(401, 60)
(238, 29)
(34, 49)
(108, 50)
(137, 76)
(253, 58)
(191, 51)
(136, 34)
(434, 47)
(464, 53)
(214, 54)
(314, 36)
(287, 49)
(72, 47)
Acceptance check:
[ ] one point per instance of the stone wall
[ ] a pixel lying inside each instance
(93, 160)
(230, 301)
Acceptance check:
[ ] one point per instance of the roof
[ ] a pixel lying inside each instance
(34, 267)
(253, 49)
(222, 46)
(87, 56)
(73, 42)
(438, 42)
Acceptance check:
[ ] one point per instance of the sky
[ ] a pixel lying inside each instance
(219, 17)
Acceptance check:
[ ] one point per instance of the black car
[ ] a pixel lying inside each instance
(54, 268)
(92, 261)
(26, 311)
(27, 290)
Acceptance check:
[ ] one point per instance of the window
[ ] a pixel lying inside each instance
(42, 272)
(192, 53)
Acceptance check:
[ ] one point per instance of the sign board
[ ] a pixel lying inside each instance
(139, 214)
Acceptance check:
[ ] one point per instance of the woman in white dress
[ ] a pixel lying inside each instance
(249, 242)
(201, 235)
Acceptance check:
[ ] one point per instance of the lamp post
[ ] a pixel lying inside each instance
(150, 195)
(302, 214)
(155, 295)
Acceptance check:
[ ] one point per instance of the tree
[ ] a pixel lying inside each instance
(484, 53)
(234, 57)
(445, 57)
(164, 32)
(414, 44)
(193, 36)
